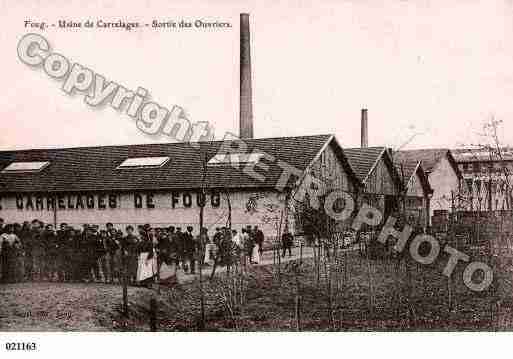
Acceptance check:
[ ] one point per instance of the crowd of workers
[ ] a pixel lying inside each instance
(35, 251)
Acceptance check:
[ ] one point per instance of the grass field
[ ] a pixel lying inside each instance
(266, 301)
(269, 300)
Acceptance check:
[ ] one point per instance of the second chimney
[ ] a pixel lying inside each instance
(364, 129)
(246, 101)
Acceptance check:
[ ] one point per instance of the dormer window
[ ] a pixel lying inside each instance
(16, 167)
(234, 158)
(144, 162)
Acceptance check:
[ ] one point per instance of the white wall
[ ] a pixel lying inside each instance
(265, 211)
(443, 180)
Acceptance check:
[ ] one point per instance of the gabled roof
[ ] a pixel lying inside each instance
(428, 157)
(406, 170)
(409, 169)
(95, 168)
(365, 159)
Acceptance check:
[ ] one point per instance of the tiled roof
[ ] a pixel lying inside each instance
(462, 155)
(362, 160)
(94, 168)
(407, 170)
(428, 157)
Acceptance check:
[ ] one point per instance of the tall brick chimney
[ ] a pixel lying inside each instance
(364, 129)
(246, 98)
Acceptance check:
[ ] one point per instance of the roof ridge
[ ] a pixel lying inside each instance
(426, 149)
(159, 143)
(366, 148)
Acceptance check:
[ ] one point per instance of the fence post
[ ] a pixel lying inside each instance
(279, 264)
(153, 314)
(125, 284)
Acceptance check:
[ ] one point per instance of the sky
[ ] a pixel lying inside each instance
(430, 73)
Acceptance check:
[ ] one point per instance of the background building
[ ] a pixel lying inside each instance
(375, 169)
(487, 178)
(443, 174)
(417, 192)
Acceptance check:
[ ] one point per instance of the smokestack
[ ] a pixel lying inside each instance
(364, 129)
(246, 101)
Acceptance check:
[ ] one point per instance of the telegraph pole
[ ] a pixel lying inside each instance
(202, 245)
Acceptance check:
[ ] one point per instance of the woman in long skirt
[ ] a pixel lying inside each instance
(256, 254)
(9, 242)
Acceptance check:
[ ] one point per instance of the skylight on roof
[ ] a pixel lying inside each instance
(234, 158)
(26, 166)
(143, 162)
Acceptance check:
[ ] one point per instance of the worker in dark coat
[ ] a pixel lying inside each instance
(97, 250)
(259, 239)
(113, 245)
(67, 254)
(26, 242)
(7, 255)
(228, 249)
(11, 249)
(173, 246)
(179, 238)
(62, 251)
(51, 249)
(85, 272)
(38, 251)
(19, 259)
(287, 240)
(76, 256)
(89, 248)
(218, 236)
(189, 249)
(130, 254)
(164, 247)
(114, 239)
(102, 253)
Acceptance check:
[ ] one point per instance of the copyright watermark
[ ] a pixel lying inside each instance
(150, 117)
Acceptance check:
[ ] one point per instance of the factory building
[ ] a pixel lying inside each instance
(417, 192)
(381, 184)
(237, 182)
(487, 184)
(443, 174)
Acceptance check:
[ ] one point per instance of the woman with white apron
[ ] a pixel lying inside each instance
(256, 254)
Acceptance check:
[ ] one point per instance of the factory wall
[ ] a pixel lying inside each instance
(163, 208)
(443, 180)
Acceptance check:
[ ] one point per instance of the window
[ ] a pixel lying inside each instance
(234, 158)
(476, 167)
(26, 166)
(470, 184)
(144, 162)
(465, 167)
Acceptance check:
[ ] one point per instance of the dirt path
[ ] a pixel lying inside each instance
(60, 306)
(267, 258)
(80, 306)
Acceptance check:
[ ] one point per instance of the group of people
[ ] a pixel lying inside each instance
(35, 251)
